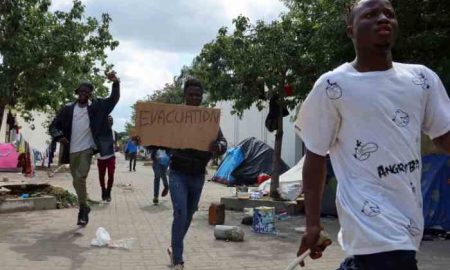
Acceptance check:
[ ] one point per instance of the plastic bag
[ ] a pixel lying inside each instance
(290, 192)
(102, 238)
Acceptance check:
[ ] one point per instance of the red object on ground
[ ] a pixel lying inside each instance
(262, 178)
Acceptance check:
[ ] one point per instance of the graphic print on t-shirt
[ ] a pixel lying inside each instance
(422, 81)
(413, 187)
(401, 118)
(370, 209)
(363, 150)
(412, 228)
(398, 168)
(334, 91)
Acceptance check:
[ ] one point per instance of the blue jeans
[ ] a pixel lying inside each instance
(160, 172)
(391, 260)
(185, 191)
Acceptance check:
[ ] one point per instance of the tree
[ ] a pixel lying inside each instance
(308, 40)
(44, 55)
(254, 64)
(171, 93)
(423, 37)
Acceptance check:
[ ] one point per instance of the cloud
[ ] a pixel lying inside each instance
(158, 37)
(177, 25)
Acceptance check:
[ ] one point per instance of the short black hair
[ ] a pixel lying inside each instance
(351, 10)
(85, 84)
(192, 82)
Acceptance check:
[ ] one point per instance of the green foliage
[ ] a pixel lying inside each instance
(170, 93)
(45, 55)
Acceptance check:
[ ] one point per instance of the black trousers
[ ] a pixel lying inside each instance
(132, 161)
(391, 260)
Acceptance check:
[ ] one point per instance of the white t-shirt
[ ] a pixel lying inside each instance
(81, 138)
(371, 125)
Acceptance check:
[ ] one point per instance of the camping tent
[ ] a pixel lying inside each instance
(8, 157)
(289, 181)
(291, 185)
(244, 163)
(436, 191)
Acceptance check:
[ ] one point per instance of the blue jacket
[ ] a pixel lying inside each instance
(131, 147)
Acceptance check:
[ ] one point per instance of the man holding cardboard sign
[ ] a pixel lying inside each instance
(193, 135)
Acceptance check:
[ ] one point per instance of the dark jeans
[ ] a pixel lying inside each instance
(103, 165)
(132, 160)
(160, 172)
(185, 191)
(392, 260)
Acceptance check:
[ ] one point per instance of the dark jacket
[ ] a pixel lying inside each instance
(193, 162)
(98, 112)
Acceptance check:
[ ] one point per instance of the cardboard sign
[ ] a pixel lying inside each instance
(176, 126)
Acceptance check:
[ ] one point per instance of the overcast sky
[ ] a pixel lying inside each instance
(158, 37)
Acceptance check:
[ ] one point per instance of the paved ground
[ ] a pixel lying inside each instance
(46, 240)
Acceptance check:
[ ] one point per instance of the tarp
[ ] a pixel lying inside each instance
(233, 158)
(291, 184)
(436, 191)
(292, 179)
(252, 158)
(8, 157)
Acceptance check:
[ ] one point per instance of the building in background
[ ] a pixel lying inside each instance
(252, 124)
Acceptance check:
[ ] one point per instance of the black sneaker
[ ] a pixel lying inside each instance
(104, 195)
(108, 195)
(165, 192)
(81, 220)
(87, 210)
(155, 200)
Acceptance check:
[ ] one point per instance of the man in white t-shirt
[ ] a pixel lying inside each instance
(369, 114)
(83, 129)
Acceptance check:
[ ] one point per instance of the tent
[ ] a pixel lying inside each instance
(436, 191)
(244, 163)
(8, 158)
(290, 181)
(291, 186)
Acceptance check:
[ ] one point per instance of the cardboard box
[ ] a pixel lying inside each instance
(176, 126)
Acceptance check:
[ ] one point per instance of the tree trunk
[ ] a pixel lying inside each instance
(2, 110)
(276, 159)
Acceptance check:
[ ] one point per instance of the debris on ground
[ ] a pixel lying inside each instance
(229, 233)
(103, 239)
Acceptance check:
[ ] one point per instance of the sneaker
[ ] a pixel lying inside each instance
(165, 192)
(108, 195)
(81, 221)
(155, 200)
(83, 216)
(104, 195)
(178, 267)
